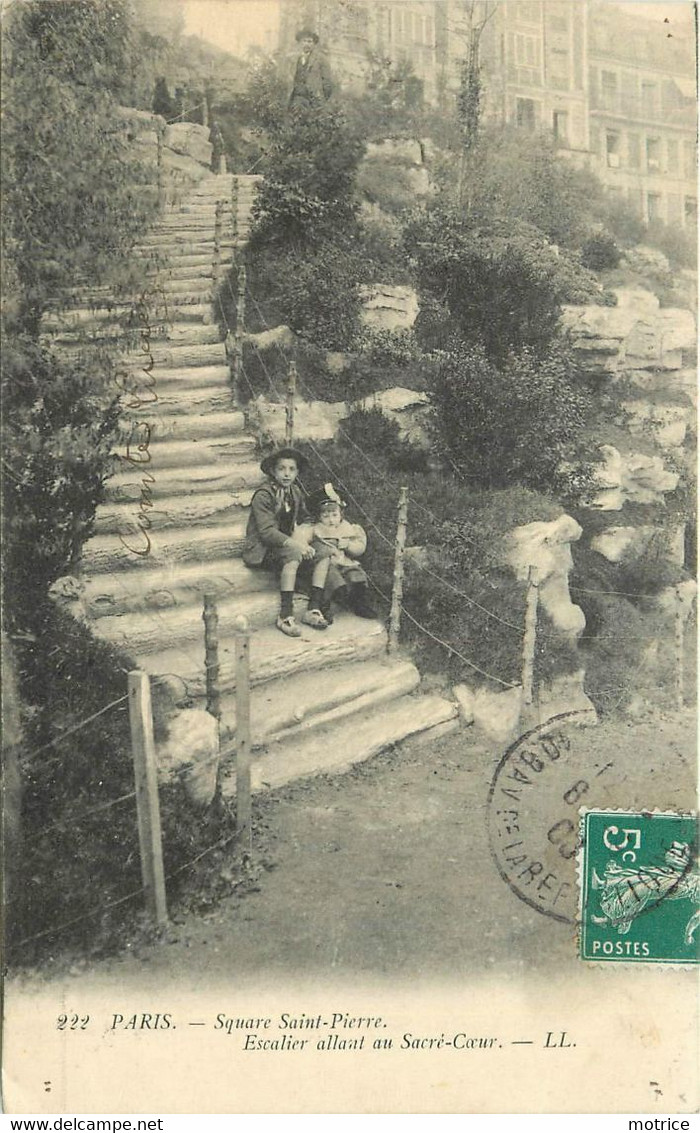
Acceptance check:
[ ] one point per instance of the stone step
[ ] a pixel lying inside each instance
(172, 356)
(293, 707)
(170, 427)
(337, 747)
(180, 401)
(195, 259)
(188, 270)
(151, 629)
(184, 454)
(190, 334)
(128, 592)
(189, 291)
(158, 244)
(189, 377)
(222, 476)
(272, 655)
(211, 509)
(153, 549)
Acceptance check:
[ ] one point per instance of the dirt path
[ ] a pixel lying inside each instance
(387, 870)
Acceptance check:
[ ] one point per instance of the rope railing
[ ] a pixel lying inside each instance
(390, 544)
(419, 565)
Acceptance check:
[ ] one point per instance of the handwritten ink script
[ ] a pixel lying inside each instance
(138, 385)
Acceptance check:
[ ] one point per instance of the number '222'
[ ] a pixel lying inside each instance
(72, 1022)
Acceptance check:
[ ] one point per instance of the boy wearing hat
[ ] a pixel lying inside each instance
(275, 510)
(339, 545)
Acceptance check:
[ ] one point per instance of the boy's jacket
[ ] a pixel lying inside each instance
(262, 532)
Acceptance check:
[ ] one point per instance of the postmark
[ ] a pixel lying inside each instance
(538, 787)
(639, 887)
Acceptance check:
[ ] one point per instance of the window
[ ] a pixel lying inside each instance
(653, 155)
(690, 211)
(559, 22)
(525, 115)
(612, 149)
(634, 151)
(649, 97)
(526, 53)
(672, 155)
(689, 160)
(653, 207)
(608, 89)
(560, 126)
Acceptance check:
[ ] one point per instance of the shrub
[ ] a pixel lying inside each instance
(59, 427)
(374, 432)
(508, 424)
(308, 195)
(315, 292)
(499, 286)
(600, 252)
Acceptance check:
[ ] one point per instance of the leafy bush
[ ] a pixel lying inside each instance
(73, 208)
(515, 177)
(372, 431)
(315, 292)
(59, 427)
(500, 286)
(600, 252)
(308, 195)
(512, 423)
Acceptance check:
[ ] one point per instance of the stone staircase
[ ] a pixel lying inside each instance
(173, 525)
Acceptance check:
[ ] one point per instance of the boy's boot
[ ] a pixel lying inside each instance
(360, 602)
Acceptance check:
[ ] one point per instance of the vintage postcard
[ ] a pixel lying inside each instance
(349, 557)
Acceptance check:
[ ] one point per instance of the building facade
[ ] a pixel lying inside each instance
(616, 92)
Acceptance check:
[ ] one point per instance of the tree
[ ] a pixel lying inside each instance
(74, 197)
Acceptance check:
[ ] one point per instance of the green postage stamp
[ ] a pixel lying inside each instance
(639, 887)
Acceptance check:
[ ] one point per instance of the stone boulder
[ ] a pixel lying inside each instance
(500, 715)
(281, 337)
(389, 307)
(630, 477)
(666, 424)
(192, 753)
(410, 408)
(545, 550)
(626, 542)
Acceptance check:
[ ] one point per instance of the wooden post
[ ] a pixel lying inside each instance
(289, 408)
(529, 637)
(211, 656)
(234, 212)
(147, 805)
(243, 754)
(160, 179)
(218, 225)
(240, 302)
(397, 589)
(679, 638)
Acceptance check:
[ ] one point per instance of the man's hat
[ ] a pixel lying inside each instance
(268, 464)
(306, 33)
(325, 495)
